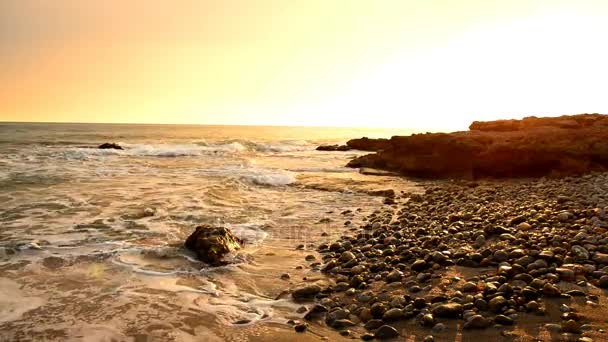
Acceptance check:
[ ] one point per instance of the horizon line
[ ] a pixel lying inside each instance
(219, 125)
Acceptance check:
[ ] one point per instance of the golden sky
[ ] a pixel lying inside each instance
(436, 64)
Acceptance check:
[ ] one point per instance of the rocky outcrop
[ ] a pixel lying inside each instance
(367, 144)
(532, 147)
(106, 146)
(211, 244)
(333, 148)
(362, 144)
(565, 121)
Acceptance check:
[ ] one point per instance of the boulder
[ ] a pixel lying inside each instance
(211, 244)
(106, 146)
(532, 147)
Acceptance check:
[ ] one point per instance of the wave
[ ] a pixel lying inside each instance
(251, 233)
(180, 150)
(270, 177)
(282, 147)
(198, 148)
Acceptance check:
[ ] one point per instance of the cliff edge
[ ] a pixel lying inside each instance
(531, 147)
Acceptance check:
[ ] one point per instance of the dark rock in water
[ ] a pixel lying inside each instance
(211, 244)
(367, 144)
(106, 146)
(386, 332)
(300, 327)
(306, 292)
(333, 148)
(316, 311)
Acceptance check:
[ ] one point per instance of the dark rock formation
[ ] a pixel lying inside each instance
(333, 148)
(532, 147)
(367, 144)
(114, 146)
(211, 244)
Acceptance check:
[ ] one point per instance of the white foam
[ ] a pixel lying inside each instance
(270, 177)
(251, 233)
(260, 147)
(154, 150)
(170, 150)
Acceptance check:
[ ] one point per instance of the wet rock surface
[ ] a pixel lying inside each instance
(212, 244)
(419, 267)
(532, 147)
(113, 146)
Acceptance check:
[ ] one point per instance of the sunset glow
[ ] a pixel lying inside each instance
(414, 64)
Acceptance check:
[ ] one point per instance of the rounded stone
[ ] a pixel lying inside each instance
(386, 332)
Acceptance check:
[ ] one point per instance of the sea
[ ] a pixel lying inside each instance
(91, 239)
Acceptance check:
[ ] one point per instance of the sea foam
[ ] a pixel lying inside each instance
(270, 177)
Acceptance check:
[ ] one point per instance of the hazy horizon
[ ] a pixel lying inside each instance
(434, 65)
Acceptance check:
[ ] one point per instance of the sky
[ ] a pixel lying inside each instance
(433, 64)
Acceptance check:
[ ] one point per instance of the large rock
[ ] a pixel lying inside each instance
(113, 146)
(211, 244)
(532, 147)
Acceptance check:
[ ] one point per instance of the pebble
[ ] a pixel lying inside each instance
(448, 310)
(476, 322)
(306, 292)
(504, 320)
(386, 332)
(394, 276)
(438, 328)
(392, 315)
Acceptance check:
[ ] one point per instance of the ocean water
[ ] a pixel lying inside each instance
(90, 239)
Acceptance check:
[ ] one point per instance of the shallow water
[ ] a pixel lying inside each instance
(97, 233)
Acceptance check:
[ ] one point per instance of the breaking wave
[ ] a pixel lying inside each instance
(270, 177)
